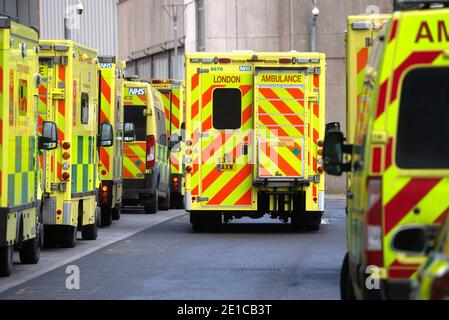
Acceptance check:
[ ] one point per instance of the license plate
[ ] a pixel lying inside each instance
(227, 167)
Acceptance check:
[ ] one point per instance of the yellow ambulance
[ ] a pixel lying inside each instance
(20, 194)
(172, 93)
(146, 158)
(69, 96)
(399, 161)
(110, 82)
(254, 131)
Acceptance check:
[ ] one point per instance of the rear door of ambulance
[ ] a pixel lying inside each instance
(136, 101)
(224, 115)
(281, 124)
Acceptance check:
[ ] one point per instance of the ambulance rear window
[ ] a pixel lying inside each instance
(423, 127)
(135, 114)
(227, 109)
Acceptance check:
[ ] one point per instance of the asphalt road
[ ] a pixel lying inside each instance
(257, 260)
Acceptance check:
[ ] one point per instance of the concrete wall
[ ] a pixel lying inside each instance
(96, 27)
(259, 25)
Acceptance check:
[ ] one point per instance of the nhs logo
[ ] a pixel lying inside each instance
(106, 65)
(137, 91)
(245, 68)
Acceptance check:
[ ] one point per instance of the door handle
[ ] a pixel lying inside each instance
(245, 149)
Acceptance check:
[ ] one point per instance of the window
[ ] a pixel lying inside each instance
(423, 125)
(227, 109)
(84, 108)
(161, 128)
(134, 114)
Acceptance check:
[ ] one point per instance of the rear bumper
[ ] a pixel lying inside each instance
(397, 289)
(135, 189)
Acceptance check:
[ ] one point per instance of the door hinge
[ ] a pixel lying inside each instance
(199, 70)
(58, 93)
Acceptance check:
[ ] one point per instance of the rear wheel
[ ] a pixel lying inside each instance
(116, 212)
(298, 218)
(176, 201)
(90, 231)
(106, 216)
(6, 260)
(69, 237)
(152, 207)
(30, 251)
(346, 288)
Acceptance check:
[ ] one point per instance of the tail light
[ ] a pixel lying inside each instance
(374, 251)
(286, 60)
(440, 287)
(224, 60)
(151, 151)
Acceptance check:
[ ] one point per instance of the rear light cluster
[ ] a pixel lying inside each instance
(320, 145)
(151, 151)
(65, 165)
(104, 194)
(175, 182)
(440, 287)
(373, 246)
(188, 159)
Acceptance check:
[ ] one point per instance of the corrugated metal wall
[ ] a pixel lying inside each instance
(97, 27)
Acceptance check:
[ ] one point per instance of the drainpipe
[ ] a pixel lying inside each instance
(313, 36)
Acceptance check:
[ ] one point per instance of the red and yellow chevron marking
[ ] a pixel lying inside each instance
(106, 109)
(195, 123)
(134, 160)
(226, 188)
(407, 197)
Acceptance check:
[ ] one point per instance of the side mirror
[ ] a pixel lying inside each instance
(129, 132)
(332, 126)
(333, 153)
(411, 240)
(106, 135)
(175, 143)
(49, 138)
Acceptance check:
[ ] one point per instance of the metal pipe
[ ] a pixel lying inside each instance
(67, 34)
(313, 36)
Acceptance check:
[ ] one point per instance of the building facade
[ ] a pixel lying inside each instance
(23, 11)
(95, 27)
(146, 36)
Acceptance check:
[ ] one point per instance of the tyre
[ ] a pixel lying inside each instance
(30, 250)
(106, 216)
(6, 260)
(298, 218)
(90, 232)
(50, 237)
(68, 237)
(116, 213)
(176, 201)
(346, 287)
(164, 205)
(152, 207)
(313, 227)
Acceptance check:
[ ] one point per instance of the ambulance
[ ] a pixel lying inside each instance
(20, 194)
(68, 95)
(399, 159)
(110, 83)
(254, 132)
(146, 158)
(172, 93)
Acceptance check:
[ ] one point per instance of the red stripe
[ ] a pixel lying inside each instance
(105, 90)
(278, 131)
(174, 161)
(293, 120)
(316, 110)
(394, 31)
(382, 100)
(175, 100)
(61, 135)
(389, 154)
(195, 191)
(422, 57)
(280, 105)
(130, 154)
(207, 124)
(245, 200)
(195, 81)
(127, 173)
(281, 163)
(247, 114)
(314, 191)
(377, 158)
(245, 89)
(362, 59)
(104, 157)
(207, 96)
(61, 107)
(442, 216)
(316, 136)
(103, 117)
(195, 109)
(316, 81)
(231, 185)
(61, 72)
(296, 94)
(315, 164)
(59, 171)
(43, 93)
(406, 200)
